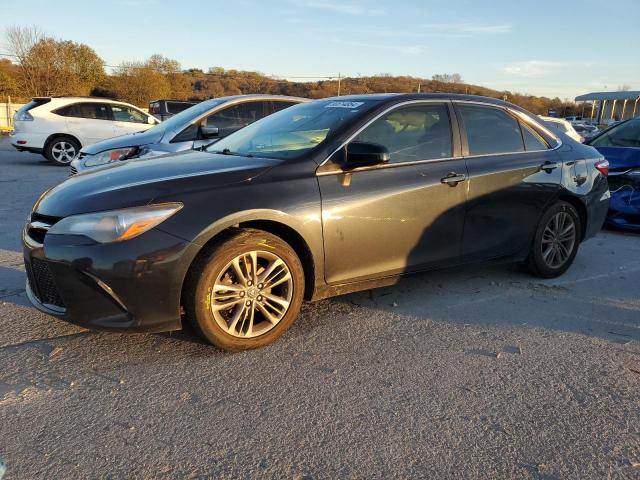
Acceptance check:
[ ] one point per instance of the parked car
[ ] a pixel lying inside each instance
(163, 109)
(58, 127)
(319, 199)
(192, 128)
(621, 147)
(585, 130)
(574, 119)
(563, 126)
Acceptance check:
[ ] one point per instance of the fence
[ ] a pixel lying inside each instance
(7, 110)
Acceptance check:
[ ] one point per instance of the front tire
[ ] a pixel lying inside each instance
(246, 291)
(61, 150)
(556, 241)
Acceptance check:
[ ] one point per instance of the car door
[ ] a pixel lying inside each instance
(513, 174)
(402, 216)
(128, 120)
(90, 122)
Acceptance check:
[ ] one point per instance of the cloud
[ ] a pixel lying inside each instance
(414, 49)
(531, 68)
(470, 28)
(348, 8)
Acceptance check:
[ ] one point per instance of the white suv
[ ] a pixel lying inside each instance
(59, 127)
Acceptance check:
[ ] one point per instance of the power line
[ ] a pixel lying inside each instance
(223, 74)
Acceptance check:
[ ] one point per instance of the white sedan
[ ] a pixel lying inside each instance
(563, 126)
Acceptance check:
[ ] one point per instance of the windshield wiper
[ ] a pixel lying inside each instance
(226, 151)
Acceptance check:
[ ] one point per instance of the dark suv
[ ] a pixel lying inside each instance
(163, 109)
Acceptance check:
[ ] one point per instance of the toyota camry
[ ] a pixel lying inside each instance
(320, 199)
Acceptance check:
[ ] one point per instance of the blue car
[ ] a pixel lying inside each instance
(620, 145)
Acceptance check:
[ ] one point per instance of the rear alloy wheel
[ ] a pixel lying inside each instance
(556, 241)
(246, 292)
(62, 150)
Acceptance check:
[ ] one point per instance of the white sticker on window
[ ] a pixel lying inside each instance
(344, 105)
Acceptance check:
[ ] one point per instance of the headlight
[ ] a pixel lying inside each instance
(115, 225)
(109, 156)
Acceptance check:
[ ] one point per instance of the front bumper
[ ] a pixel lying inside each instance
(132, 286)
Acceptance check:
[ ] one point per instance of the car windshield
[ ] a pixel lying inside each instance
(626, 134)
(293, 131)
(179, 119)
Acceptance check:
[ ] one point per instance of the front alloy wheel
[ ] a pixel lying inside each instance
(252, 294)
(245, 291)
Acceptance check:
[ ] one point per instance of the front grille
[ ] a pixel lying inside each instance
(39, 226)
(42, 283)
(73, 171)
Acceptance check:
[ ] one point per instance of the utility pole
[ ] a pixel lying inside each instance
(339, 78)
(419, 85)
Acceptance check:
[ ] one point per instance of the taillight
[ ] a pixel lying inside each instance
(603, 167)
(22, 116)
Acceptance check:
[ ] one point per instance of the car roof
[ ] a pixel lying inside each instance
(421, 96)
(66, 100)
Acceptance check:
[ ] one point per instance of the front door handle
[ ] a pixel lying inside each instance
(549, 166)
(452, 179)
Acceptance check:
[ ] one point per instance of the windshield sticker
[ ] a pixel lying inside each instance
(344, 105)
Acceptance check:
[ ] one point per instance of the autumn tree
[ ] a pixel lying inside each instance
(138, 83)
(50, 67)
(8, 79)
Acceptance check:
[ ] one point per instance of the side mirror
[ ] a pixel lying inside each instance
(209, 132)
(362, 154)
(151, 120)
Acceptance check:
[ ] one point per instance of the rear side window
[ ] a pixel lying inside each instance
(95, 111)
(277, 106)
(490, 130)
(237, 116)
(412, 133)
(532, 140)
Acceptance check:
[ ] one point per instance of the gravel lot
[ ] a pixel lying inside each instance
(474, 373)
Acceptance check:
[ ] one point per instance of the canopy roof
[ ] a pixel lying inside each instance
(629, 95)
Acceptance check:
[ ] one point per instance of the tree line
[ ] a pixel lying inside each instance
(39, 65)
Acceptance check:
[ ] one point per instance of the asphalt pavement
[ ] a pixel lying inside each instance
(481, 372)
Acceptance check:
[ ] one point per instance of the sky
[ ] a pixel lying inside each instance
(556, 48)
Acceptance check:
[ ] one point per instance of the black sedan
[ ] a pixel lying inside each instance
(320, 199)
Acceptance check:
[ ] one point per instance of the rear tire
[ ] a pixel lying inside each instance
(62, 149)
(556, 241)
(246, 291)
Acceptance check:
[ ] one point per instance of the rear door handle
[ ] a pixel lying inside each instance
(452, 179)
(549, 166)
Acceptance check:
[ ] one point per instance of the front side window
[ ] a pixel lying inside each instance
(490, 130)
(418, 132)
(294, 131)
(626, 134)
(122, 113)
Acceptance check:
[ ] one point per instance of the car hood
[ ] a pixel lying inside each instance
(138, 182)
(129, 140)
(621, 158)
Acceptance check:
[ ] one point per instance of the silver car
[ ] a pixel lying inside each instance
(193, 128)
